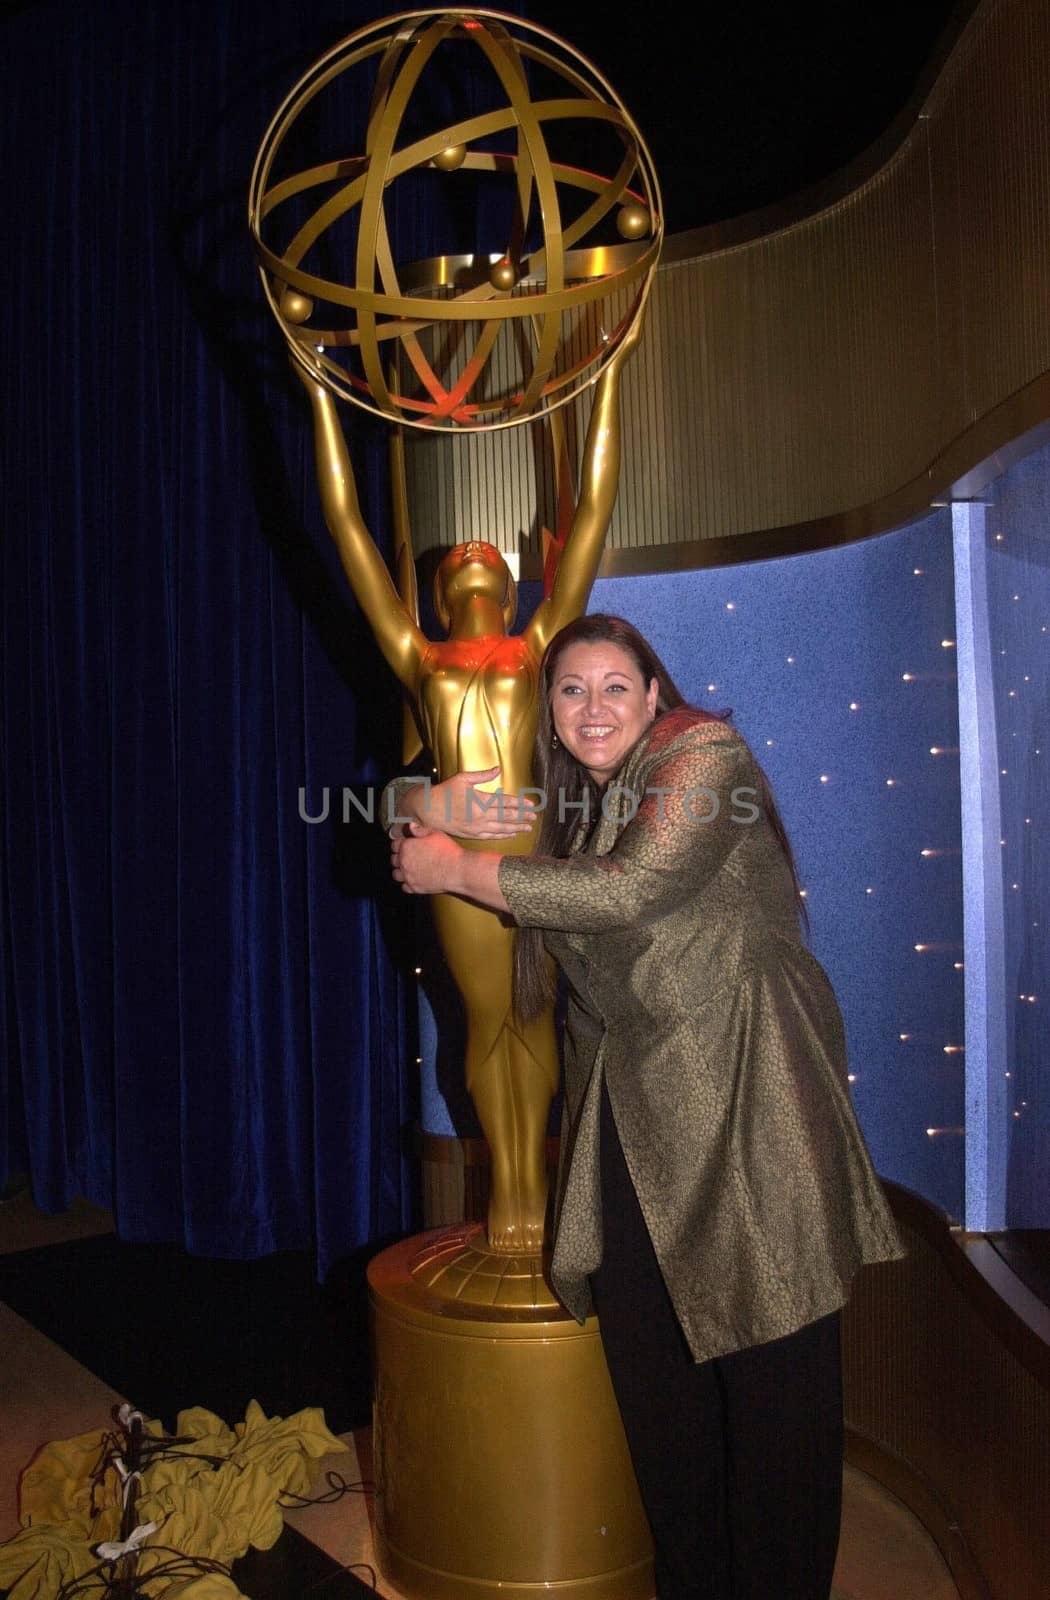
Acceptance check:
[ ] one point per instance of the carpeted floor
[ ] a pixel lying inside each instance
(170, 1330)
(105, 1320)
(167, 1331)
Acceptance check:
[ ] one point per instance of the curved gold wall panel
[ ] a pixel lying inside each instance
(830, 377)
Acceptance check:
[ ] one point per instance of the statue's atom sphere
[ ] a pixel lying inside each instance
(481, 339)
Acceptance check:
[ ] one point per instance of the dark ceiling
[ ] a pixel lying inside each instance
(747, 104)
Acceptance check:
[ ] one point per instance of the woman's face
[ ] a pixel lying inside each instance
(600, 705)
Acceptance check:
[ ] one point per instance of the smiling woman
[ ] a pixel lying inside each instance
(715, 1195)
(601, 705)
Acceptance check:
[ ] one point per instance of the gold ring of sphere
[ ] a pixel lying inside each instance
(446, 324)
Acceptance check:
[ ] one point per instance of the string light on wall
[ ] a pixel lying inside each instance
(936, 1133)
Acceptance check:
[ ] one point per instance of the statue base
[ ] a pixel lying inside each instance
(500, 1460)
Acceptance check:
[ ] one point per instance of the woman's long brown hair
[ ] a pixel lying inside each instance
(557, 773)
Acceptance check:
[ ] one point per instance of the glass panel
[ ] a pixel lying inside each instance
(1018, 555)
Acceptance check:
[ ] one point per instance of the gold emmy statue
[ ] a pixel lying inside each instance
(471, 343)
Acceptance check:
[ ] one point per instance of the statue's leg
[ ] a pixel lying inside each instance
(511, 1072)
(533, 1079)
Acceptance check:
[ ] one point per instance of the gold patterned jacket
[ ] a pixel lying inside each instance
(717, 1032)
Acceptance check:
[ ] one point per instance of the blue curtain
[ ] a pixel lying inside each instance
(204, 1023)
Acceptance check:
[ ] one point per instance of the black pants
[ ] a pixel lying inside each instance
(739, 1460)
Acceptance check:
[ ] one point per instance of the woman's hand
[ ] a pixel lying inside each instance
(461, 810)
(424, 861)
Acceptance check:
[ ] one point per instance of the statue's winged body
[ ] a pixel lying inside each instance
(475, 699)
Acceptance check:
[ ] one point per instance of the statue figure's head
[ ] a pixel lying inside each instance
(475, 568)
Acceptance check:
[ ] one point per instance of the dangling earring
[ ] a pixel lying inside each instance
(555, 742)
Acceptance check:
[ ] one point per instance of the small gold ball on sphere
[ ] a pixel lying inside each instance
(451, 157)
(633, 221)
(296, 307)
(504, 274)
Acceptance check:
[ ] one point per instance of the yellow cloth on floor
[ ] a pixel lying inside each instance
(200, 1508)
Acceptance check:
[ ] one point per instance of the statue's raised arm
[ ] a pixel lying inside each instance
(396, 630)
(599, 482)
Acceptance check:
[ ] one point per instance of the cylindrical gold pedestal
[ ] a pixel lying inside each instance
(500, 1460)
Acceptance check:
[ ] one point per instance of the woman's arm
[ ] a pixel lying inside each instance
(424, 862)
(700, 796)
(457, 807)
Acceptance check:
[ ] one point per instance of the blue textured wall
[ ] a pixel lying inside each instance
(789, 646)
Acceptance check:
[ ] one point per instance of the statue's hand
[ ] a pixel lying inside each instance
(308, 380)
(631, 340)
(458, 808)
(423, 861)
